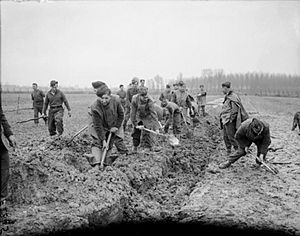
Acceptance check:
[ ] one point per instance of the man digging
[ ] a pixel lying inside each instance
(107, 116)
(251, 131)
(143, 114)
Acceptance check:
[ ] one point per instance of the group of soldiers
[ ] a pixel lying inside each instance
(110, 113)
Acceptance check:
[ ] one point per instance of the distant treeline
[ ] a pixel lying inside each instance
(262, 84)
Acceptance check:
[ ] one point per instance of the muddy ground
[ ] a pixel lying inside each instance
(54, 189)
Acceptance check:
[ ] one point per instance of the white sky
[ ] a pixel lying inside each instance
(79, 42)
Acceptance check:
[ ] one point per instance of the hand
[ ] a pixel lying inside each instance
(180, 109)
(113, 129)
(69, 113)
(157, 131)
(139, 127)
(12, 141)
(44, 115)
(104, 143)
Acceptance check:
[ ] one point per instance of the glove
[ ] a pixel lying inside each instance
(139, 127)
(113, 129)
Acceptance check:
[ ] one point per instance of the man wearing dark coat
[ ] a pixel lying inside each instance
(296, 121)
(6, 135)
(106, 116)
(251, 131)
(231, 116)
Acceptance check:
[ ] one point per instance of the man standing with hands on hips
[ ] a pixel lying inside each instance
(55, 98)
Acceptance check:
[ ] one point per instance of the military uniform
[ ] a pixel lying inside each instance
(129, 94)
(174, 118)
(110, 116)
(231, 116)
(37, 97)
(143, 113)
(6, 130)
(296, 121)
(183, 100)
(56, 111)
(122, 96)
(201, 102)
(251, 131)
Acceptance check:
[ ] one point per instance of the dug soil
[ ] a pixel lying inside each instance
(54, 189)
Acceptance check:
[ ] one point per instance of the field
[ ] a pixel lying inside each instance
(54, 189)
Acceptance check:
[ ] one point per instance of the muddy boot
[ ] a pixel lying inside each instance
(225, 164)
(134, 150)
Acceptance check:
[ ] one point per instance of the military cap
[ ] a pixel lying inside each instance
(180, 83)
(226, 84)
(103, 89)
(53, 83)
(97, 84)
(135, 80)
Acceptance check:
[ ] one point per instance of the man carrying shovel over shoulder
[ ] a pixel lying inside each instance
(143, 114)
(107, 117)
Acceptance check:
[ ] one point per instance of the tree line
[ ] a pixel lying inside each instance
(262, 84)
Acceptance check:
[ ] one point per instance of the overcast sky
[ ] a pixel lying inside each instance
(79, 42)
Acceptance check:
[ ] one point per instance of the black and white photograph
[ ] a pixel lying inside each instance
(128, 117)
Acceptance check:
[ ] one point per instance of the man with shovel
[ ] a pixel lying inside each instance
(107, 117)
(251, 131)
(174, 117)
(143, 114)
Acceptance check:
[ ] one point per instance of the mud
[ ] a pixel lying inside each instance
(54, 189)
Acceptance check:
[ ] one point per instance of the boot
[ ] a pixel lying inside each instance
(225, 164)
(134, 150)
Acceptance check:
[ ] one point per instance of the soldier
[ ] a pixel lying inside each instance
(6, 135)
(55, 98)
(296, 121)
(107, 116)
(168, 94)
(122, 95)
(231, 116)
(183, 100)
(251, 131)
(175, 87)
(143, 114)
(174, 117)
(37, 97)
(201, 100)
(131, 91)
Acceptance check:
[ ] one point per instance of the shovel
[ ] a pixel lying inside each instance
(189, 133)
(272, 169)
(77, 133)
(105, 149)
(171, 138)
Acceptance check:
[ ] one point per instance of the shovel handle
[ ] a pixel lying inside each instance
(105, 151)
(151, 131)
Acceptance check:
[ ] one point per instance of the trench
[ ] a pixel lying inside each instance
(56, 185)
